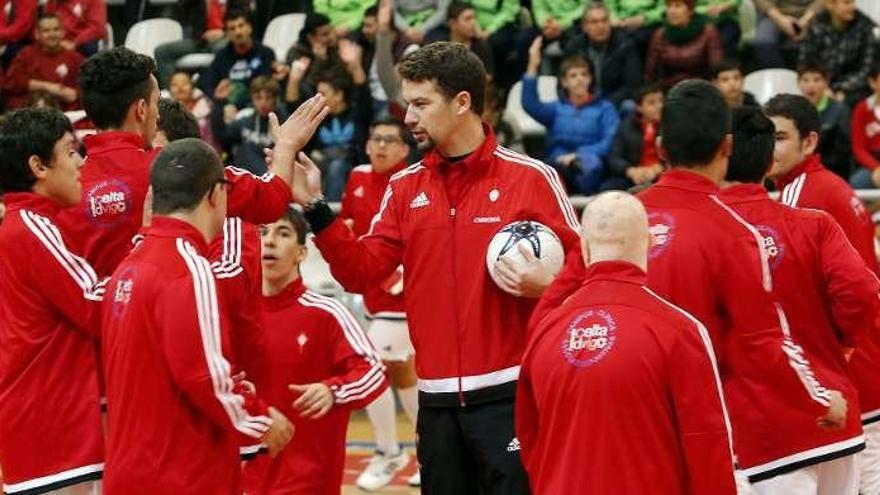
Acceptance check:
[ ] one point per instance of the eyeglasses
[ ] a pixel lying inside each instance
(385, 140)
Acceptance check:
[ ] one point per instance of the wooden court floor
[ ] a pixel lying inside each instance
(360, 448)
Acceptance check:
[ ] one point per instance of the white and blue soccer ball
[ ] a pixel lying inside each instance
(535, 236)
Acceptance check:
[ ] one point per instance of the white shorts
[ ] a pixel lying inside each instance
(837, 477)
(391, 339)
(869, 461)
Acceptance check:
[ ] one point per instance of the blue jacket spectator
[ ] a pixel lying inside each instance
(580, 128)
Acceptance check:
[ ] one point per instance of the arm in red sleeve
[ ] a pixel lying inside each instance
(67, 280)
(360, 375)
(95, 16)
(191, 331)
(859, 132)
(257, 199)
(697, 399)
(17, 77)
(23, 24)
(851, 288)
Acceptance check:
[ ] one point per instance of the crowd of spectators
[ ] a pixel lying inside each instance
(613, 61)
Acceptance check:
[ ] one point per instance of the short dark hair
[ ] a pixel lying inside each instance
(456, 8)
(300, 225)
(48, 15)
(646, 90)
(182, 174)
(452, 66)
(695, 122)
(579, 62)
(391, 121)
(176, 121)
(338, 80)
(372, 10)
(112, 81)
(313, 22)
(23, 134)
(812, 67)
(797, 109)
(874, 69)
(237, 12)
(754, 138)
(726, 65)
(265, 83)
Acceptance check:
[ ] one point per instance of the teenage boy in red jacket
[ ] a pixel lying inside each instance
(50, 412)
(85, 23)
(436, 219)
(321, 366)
(616, 346)
(830, 299)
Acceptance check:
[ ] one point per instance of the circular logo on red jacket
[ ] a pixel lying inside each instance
(772, 245)
(108, 203)
(662, 228)
(589, 338)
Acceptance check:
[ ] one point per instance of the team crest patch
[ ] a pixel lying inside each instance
(772, 246)
(108, 203)
(662, 228)
(589, 338)
(122, 292)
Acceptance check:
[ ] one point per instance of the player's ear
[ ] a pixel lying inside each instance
(38, 168)
(463, 100)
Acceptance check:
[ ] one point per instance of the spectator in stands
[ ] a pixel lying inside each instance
(416, 18)
(728, 78)
(580, 127)
(686, 47)
(203, 32)
(84, 21)
(17, 21)
(175, 122)
(346, 16)
(781, 23)
(44, 66)
(553, 18)
(239, 62)
(842, 38)
(834, 136)
(498, 22)
(315, 53)
(247, 134)
(194, 100)
(618, 65)
(461, 18)
(634, 160)
(866, 135)
(638, 18)
(724, 15)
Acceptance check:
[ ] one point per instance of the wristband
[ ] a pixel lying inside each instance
(319, 214)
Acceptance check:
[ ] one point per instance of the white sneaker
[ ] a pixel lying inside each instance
(416, 479)
(381, 470)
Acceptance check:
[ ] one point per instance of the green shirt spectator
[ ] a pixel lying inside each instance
(565, 12)
(624, 11)
(345, 15)
(491, 16)
(724, 14)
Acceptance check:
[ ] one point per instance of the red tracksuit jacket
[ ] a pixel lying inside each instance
(708, 261)
(437, 220)
(311, 338)
(33, 63)
(84, 21)
(830, 300)
(115, 179)
(360, 203)
(174, 417)
(50, 411)
(619, 394)
(17, 20)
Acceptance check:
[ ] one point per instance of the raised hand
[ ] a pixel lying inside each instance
(535, 55)
(306, 180)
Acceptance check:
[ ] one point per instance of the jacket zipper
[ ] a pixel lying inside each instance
(452, 212)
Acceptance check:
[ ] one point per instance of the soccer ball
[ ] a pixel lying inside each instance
(537, 237)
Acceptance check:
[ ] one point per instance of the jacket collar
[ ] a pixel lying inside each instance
(163, 226)
(744, 193)
(30, 201)
(288, 294)
(105, 142)
(811, 164)
(618, 271)
(479, 158)
(681, 178)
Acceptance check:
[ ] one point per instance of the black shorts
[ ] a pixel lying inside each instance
(470, 450)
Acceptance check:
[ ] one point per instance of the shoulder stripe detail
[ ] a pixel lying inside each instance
(766, 274)
(710, 351)
(384, 204)
(415, 167)
(791, 193)
(267, 177)
(552, 179)
(229, 265)
(207, 309)
(78, 268)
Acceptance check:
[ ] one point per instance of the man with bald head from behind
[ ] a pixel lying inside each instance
(619, 391)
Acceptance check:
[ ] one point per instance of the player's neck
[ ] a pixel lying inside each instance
(274, 286)
(465, 139)
(130, 127)
(711, 171)
(199, 220)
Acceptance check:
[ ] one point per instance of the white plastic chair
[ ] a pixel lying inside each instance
(516, 116)
(194, 61)
(870, 8)
(767, 83)
(146, 35)
(282, 32)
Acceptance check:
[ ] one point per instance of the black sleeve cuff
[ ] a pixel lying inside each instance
(319, 217)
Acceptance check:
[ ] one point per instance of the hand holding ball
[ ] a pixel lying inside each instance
(523, 257)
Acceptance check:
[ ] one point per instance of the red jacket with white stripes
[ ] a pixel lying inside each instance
(437, 219)
(830, 301)
(360, 203)
(709, 261)
(50, 411)
(115, 179)
(811, 185)
(311, 338)
(641, 375)
(174, 415)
